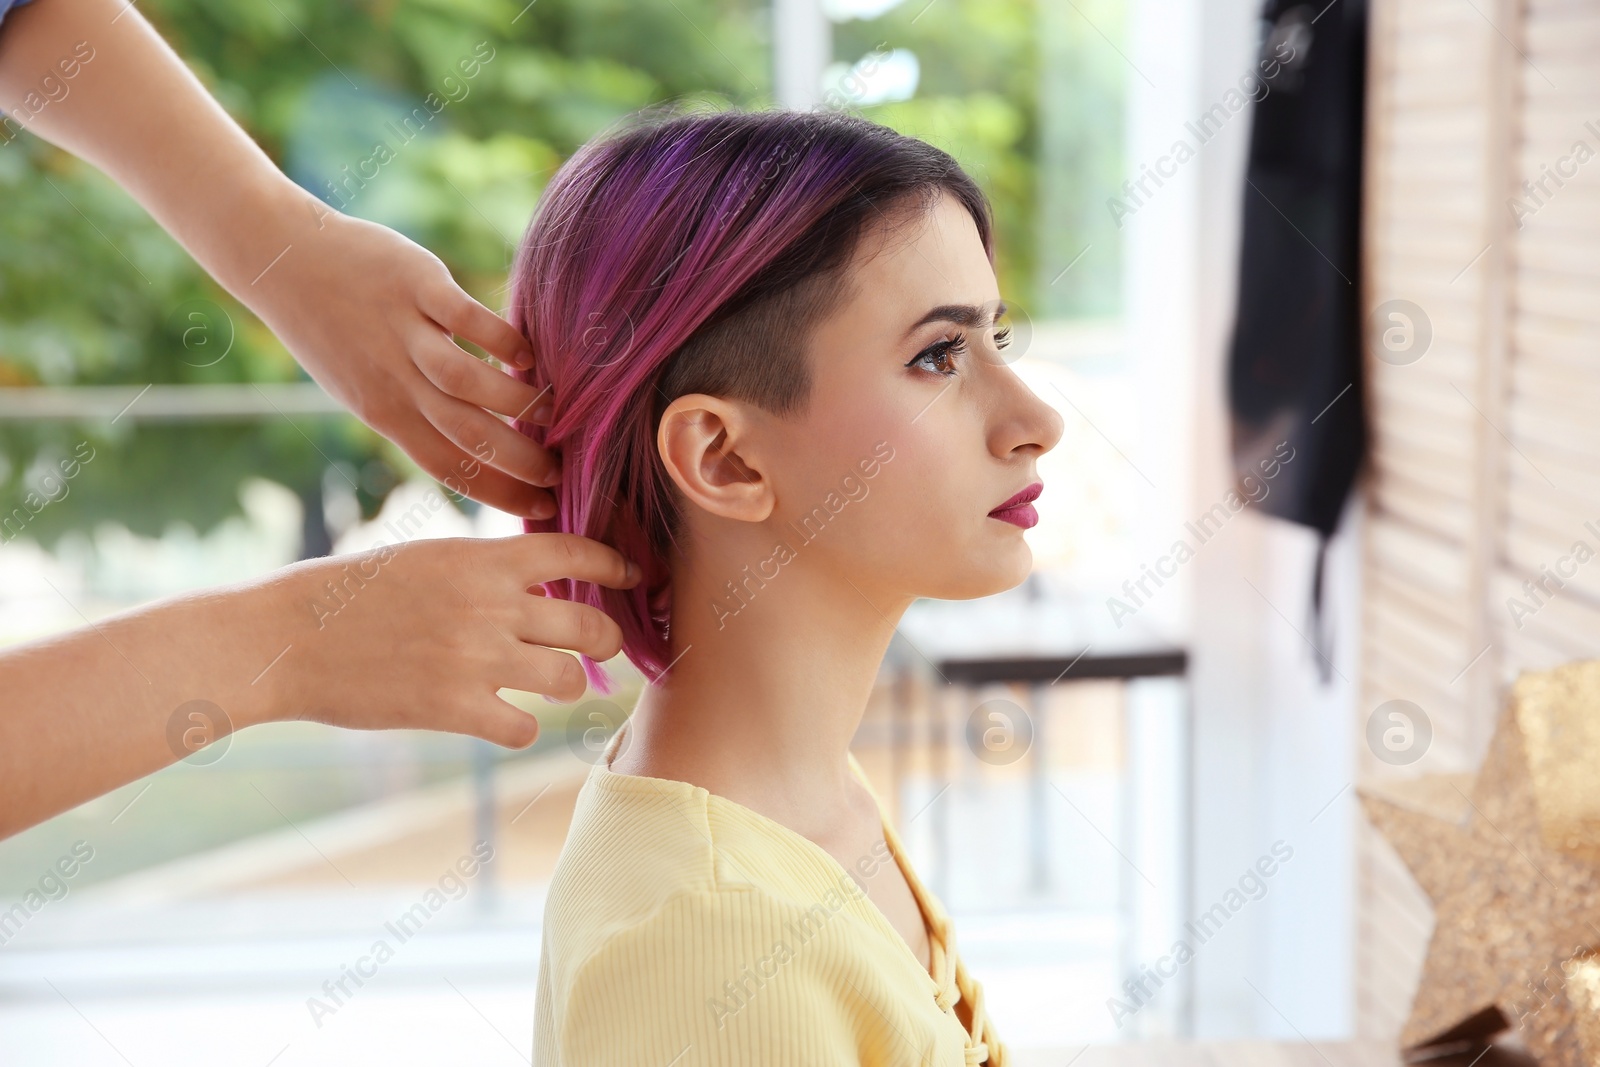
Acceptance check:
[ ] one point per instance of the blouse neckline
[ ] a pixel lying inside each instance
(939, 975)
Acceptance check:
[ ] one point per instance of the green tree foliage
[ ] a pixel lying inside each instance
(1029, 96)
(93, 292)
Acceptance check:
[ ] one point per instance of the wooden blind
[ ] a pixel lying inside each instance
(1552, 403)
(1483, 474)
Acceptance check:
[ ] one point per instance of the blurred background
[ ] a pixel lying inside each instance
(1149, 759)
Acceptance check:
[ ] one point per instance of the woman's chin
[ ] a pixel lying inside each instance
(996, 573)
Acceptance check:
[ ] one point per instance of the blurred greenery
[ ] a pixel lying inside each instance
(1029, 97)
(93, 292)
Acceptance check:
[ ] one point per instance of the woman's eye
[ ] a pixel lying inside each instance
(1002, 337)
(937, 357)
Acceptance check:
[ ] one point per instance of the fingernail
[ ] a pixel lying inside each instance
(542, 411)
(633, 572)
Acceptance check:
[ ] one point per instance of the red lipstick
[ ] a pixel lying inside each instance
(1019, 509)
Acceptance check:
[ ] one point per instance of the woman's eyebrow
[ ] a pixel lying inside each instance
(973, 315)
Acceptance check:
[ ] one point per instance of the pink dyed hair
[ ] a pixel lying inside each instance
(691, 253)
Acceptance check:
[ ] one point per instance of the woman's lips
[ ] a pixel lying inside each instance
(1019, 509)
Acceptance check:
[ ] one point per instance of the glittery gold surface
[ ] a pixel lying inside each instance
(1559, 712)
(1583, 988)
(1509, 910)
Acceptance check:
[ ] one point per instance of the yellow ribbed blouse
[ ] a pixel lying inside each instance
(684, 929)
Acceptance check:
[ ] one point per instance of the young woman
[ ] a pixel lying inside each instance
(779, 384)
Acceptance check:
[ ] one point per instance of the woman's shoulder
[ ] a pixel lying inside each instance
(707, 954)
(654, 857)
(676, 914)
(632, 843)
(636, 842)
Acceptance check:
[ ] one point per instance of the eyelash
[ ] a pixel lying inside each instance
(954, 347)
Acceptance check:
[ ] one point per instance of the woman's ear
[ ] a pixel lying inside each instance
(706, 444)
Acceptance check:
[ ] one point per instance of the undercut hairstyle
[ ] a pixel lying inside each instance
(692, 253)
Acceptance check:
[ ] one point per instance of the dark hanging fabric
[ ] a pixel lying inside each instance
(1294, 373)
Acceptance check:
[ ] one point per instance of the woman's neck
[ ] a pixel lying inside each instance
(767, 690)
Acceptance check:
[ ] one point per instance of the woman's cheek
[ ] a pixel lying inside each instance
(914, 489)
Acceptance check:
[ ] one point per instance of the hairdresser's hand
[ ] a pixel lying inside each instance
(365, 311)
(369, 315)
(418, 635)
(421, 635)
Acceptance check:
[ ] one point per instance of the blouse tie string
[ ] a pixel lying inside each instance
(985, 1047)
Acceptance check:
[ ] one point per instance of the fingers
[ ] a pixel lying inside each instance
(469, 475)
(536, 669)
(498, 720)
(460, 374)
(543, 557)
(497, 444)
(452, 308)
(557, 623)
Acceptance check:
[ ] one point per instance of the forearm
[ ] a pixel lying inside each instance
(90, 710)
(136, 112)
(371, 316)
(418, 635)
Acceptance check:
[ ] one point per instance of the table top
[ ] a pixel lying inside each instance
(1257, 1054)
(1034, 634)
